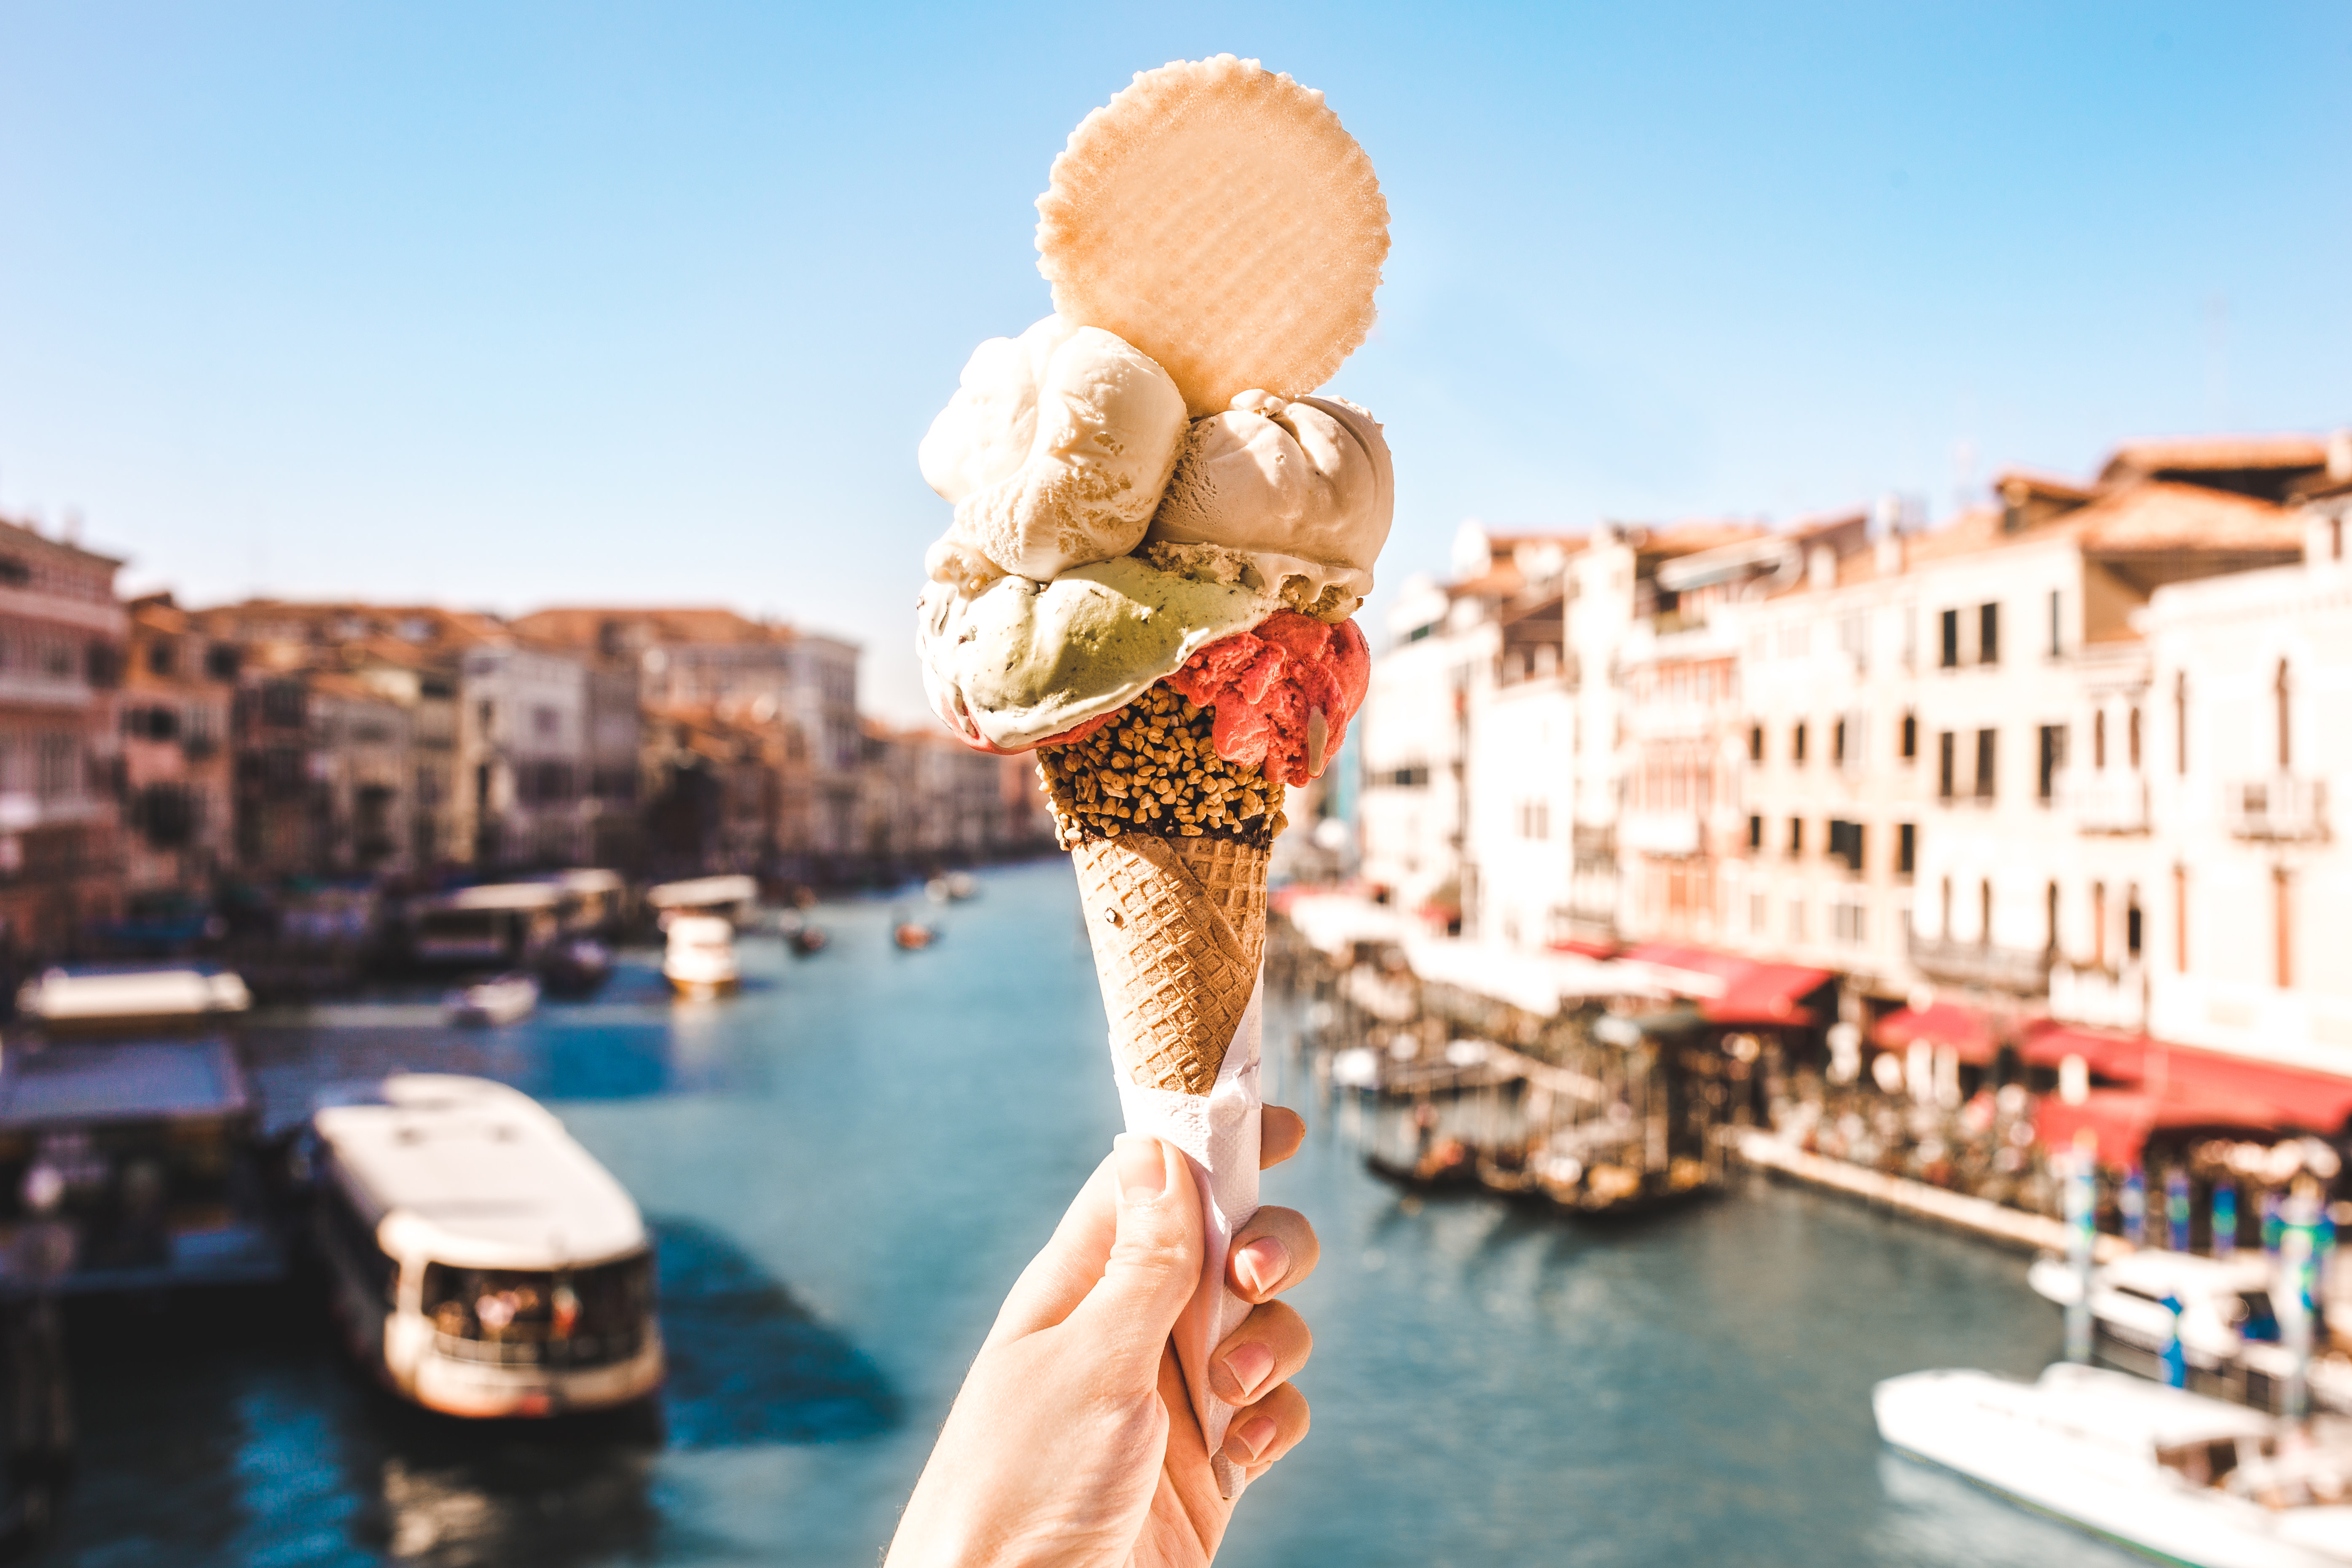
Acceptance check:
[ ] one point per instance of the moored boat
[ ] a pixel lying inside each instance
(503, 999)
(2185, 1477)
(700, 958)
(129, 1001)
(481, 1262)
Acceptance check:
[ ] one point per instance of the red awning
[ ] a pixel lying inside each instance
(1583, 949)
(1945, 1025)
(1730, 989)
(2117, 1058)
(1765, 994)
(2289, 1096)
(2121, 1119)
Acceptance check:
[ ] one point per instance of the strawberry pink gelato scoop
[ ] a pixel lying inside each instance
(1283, 692)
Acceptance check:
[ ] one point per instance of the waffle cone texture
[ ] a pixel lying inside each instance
(1178, 927)
(1170, 843)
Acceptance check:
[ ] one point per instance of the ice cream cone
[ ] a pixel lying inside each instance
(1175, 964)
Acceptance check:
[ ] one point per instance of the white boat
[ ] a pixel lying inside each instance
(735, 898)
(495, 923)
(2186, 1479)
(699, 960)
(131, 1001)
(2230, 1336)
(481, 1262)
(507, 999)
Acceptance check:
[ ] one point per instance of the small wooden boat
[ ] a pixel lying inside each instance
(1447, 1166)
(807, 939)
(914, 936)
(576, 966)
(505, 999)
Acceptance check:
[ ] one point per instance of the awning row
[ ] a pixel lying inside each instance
(2146, 1083)
(1730, 989)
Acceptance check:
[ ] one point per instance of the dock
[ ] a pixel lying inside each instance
(1977, 1216)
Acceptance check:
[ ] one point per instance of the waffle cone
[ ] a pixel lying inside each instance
(1178, 927)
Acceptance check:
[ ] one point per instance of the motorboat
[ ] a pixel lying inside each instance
(2179, 1476)
(576, 966)
(699, 959)
(131, 1001)
(2229, 1330)
(963, 885)
(503, 999)
(732, 897)
(481, 1263)
(497, 923)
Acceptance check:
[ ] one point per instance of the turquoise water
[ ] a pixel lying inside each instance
(849, 1164)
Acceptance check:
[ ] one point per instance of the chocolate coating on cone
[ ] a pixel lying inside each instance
(1177, 938)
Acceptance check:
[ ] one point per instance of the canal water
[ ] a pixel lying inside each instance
(846, 1167)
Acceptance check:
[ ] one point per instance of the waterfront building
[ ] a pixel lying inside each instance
(2246, 882)
(179, 690)
(2032, 867)
(526, 794)
(714, 661)
(62, 634)
(930, 799)
(324, 772)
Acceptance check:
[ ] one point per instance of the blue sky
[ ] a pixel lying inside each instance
(514, 306)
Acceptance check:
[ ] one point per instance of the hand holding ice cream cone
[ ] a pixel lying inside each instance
(1160, 535)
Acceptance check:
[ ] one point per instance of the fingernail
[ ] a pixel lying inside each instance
(1249, 1364)
(1261, 1265)
(1142, 1171)
(1252, 1435)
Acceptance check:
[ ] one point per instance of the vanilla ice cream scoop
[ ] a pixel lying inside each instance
(1304, 488)
(1056, 449)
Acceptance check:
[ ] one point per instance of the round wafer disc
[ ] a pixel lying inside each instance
(1218, 216)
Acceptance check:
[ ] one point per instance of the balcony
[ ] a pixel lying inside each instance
(2105, 801)
(1659, 832)
(2020, 972)
(2281, 806)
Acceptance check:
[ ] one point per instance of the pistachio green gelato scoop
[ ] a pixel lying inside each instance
(1021, 660)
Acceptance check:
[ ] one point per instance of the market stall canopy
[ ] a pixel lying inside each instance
(2302, 1099)
(2120, 1121)
(1536, 983)
(1947, 1026)
(1767, 995)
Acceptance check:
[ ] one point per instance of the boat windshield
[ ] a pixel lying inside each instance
(534, 1316)
(2255, 1318)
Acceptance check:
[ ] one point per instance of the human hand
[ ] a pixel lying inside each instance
(1073, 1440)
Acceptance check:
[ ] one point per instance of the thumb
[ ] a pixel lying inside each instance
(1155, 1260)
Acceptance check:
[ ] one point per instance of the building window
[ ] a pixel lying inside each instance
(1947, 746)
(1796, 836)
(2098, 925)
(1984, 911)
(2050, 918)
(2180, 720)
(2131, 922)
(2131, 736)
(2282, 921)
(1910, 737)
(2099, 739)
(1949, 658)
(1756, 916)
(2180, 919)
(1845, 843)
(2057, 642)
(1988, 634)
(1944, 909)
(1755, 742)
(1796, 920)
(1837, 742)
(2054, 757)
(1755, 833)
(2281, 694)
(1851, 922)
(1985, 764)
(1906, 848)
(1797, 743)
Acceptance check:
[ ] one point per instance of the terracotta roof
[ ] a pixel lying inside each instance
(1690, 538)
(2190, 454)
(2174, 517)
(584, 625)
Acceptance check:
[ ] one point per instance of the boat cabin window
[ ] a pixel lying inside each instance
(2201, 1464)
(2254, 1316)
(354, 1239)
(528, 1315)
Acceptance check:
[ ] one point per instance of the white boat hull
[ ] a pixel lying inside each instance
(2052, 1448)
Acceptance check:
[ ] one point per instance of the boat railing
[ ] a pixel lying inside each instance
(578, 1351)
